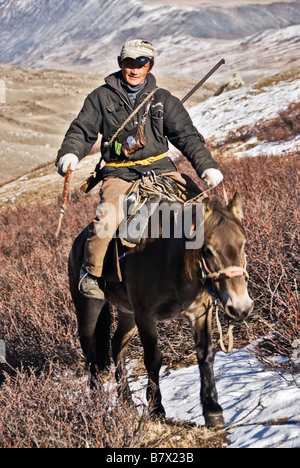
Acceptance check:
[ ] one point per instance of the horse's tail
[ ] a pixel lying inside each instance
(102, 334)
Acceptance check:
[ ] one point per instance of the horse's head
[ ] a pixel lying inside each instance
(223, 259)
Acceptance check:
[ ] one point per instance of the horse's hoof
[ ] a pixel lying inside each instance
(158, 413)
(214, 420)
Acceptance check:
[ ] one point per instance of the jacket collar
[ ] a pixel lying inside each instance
(114, 82)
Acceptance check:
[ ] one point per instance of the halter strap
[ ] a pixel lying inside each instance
(226, 273)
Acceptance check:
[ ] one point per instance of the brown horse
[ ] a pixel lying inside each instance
(162, 280)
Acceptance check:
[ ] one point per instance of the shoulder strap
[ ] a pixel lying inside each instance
(148, 98)
(147, 110)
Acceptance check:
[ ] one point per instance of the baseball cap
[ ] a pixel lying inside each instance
(142, 51)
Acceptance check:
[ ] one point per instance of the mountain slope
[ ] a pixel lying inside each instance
(72, 34)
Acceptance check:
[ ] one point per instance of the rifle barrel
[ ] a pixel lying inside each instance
(215, 68)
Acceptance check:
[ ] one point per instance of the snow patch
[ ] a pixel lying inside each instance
(262, 408)
(220, 115)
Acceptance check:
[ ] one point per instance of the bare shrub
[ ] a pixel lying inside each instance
(56, 409)
(269, 187)
(44, 399)
(283, 128)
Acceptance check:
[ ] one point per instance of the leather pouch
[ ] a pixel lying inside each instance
(133, 141)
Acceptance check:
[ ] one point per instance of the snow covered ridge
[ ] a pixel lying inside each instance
(89, 34)
(245, 107)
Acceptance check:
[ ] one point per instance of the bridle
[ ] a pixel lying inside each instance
(226, 273)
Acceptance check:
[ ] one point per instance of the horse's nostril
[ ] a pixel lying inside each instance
(236, 314)
(244, 315)
(232, 312)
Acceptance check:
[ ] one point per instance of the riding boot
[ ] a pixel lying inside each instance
(90, 286)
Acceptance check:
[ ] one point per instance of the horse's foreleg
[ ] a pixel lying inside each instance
(212, 411)
(153, 360)
(125, 332)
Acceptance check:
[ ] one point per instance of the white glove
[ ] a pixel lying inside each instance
(212, 177)
(65, 161)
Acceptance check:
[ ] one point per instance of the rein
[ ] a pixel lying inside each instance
(226, 273)
(199, 198)
(229, 335)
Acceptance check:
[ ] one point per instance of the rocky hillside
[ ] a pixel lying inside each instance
(40, 105)
(34, 122)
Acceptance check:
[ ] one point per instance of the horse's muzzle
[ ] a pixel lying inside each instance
(239, 309)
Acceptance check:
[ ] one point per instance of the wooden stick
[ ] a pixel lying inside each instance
(65, 199)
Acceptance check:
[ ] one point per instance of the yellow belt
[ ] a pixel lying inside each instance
(140, 162)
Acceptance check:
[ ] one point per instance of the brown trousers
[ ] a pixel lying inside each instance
(110, 213)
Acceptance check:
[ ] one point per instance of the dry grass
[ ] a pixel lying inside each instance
(271, 80)
(44, 399)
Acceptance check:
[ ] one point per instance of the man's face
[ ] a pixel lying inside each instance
(133, 72)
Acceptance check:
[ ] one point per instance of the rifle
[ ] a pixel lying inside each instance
(94, 179)
(201, 82)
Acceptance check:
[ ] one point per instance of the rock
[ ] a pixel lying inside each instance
(235, 83)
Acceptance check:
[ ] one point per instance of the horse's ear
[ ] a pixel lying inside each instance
(235, 206)
(208, 209)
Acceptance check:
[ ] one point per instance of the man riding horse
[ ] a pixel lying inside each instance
(136, 120)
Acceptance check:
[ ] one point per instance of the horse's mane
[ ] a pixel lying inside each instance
(220, 216)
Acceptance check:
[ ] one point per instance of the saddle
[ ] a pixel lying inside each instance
(141, 203)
